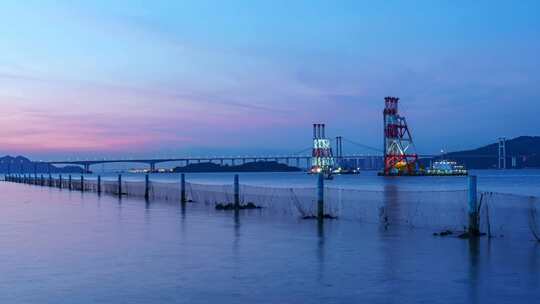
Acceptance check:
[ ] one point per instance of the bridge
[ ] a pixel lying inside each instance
(371, 160)
(297, 160)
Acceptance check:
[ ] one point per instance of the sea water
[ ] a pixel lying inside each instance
(60, 246)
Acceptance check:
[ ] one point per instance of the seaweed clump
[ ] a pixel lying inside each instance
(313, 217)
(231, 206)
(444, 233)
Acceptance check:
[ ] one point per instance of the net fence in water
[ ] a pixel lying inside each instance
(502, 214)
(499, 214)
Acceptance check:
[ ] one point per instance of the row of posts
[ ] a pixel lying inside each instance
(27, 179)
(42, 181)
(472, 192)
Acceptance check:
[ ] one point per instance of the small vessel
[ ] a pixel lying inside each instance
(328, 174)
(345, 171)
(446, 167)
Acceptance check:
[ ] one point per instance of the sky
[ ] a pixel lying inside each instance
(82, 79)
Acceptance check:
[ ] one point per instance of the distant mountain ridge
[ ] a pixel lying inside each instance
(22, 165)
(521, 152)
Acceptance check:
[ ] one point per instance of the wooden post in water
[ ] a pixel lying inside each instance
(473, 206)
(82, 183)
(60, 181)
(320, 197)
(236, 192)
(42, 180)
(99, 184)
(146, 187)
(183, 188)
(50, 180)
(119, 185)
(70, 183)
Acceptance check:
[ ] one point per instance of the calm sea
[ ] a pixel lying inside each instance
(523, 182)
(58, 246)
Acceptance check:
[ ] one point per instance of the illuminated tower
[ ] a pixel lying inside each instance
(322, 160)
(502, 153)
(399, 155)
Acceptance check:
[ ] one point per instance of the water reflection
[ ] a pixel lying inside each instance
(147, 204)
(533, 261)
(390, 211)
(320, 250)
(474, 268)
(183, 210)
(236, 241)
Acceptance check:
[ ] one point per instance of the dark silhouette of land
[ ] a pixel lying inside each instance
(260, 166)
(22, 165)
(525, 150)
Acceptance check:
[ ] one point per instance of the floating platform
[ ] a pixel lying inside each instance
(425, 174)
(438, 168)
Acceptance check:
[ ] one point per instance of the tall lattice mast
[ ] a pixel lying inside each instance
(322, 157)
(399, 155)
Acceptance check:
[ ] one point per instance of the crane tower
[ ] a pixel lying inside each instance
(399, 155)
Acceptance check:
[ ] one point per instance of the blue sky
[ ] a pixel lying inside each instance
(207, 77)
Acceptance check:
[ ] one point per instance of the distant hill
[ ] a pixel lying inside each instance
(22, 165)
(260, 166)
(521, 152)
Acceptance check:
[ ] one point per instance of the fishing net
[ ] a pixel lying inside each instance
(509, 214)
(498, 214)
(210, 194)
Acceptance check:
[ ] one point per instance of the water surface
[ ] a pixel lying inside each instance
(69, 247)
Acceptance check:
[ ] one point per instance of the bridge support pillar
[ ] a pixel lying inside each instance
(86, 168)
(152, 167)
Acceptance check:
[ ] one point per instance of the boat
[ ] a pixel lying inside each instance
(327, 174)
(345, 171)
(446, 168)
